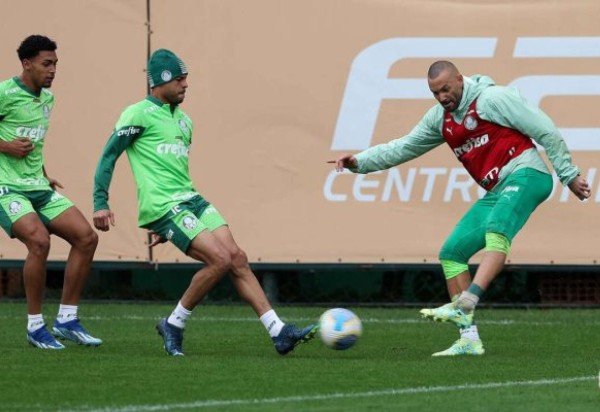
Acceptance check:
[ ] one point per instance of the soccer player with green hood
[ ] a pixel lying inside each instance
(157, 134)
(490, 130)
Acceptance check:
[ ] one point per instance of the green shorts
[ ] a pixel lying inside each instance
(48, 204)
(184, 221)
(503, 210)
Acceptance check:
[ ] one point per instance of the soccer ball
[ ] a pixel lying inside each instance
(339, 328)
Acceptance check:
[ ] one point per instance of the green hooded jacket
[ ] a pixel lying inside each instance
(497, 104)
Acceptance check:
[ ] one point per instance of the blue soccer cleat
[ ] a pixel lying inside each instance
(172, 337)
(42, 339)
(73, 331)
(290, 336)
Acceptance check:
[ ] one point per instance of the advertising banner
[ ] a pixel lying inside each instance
(278, 88)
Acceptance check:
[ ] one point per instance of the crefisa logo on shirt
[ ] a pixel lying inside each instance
(34, 133)
(129, 131)
(470, 144)
(178, 149)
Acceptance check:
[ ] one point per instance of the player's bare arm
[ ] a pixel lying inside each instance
(103, 219)
(53, 182)
(347, 161)
(18, 148)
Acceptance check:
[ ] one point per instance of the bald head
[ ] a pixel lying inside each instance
(446, 84)
(441, 66)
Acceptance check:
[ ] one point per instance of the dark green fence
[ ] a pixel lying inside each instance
(339, 284)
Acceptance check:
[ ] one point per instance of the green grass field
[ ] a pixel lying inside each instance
(536, 360)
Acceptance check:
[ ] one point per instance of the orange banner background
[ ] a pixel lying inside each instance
(268, 83)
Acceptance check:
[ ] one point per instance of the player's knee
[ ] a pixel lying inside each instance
(221, 261)
(38, 243)
(239, 258)
(453, 261)
(452, 268)
(89, 241)
(496, 242)
(452, 253)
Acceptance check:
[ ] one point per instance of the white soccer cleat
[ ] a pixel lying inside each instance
(463, 346)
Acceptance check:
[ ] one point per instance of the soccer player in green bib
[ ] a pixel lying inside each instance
(157, 134)
(30, 207)
(490, 130)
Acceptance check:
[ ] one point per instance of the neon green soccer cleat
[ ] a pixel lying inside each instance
(450, 312)
(463, 346)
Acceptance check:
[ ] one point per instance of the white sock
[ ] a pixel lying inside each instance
(467, 301)
(66, 313)
(179, 316)
(272, 322)
(34, 322)
(470, 333)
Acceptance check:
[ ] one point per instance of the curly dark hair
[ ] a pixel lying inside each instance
(33, 45)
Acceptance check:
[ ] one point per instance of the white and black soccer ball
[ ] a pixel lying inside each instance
(339, 328)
